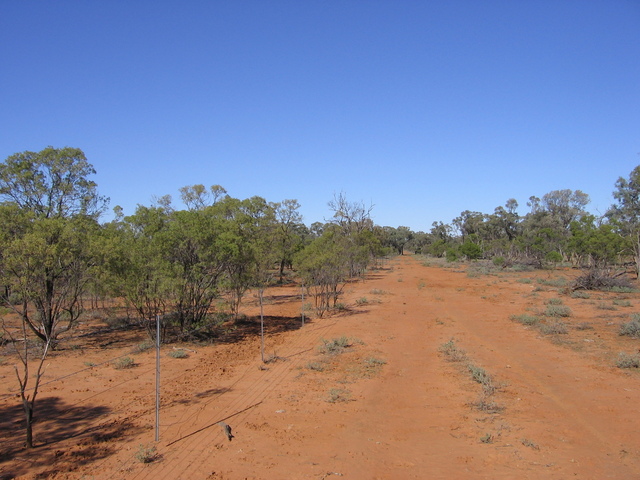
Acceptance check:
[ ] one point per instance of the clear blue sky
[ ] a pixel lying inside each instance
(422, 108)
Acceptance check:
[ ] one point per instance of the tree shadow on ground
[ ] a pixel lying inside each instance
(250, 327)
(65, 437)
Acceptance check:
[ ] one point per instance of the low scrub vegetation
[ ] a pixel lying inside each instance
(556, 327)
(452, 352)
(628, 361)
(337, 345)
(631, 328)
(525, 319)
(146, 453)
(337, 395)
(557, 311)
(124, 363)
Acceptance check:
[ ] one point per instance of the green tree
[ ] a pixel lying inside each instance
(398, 238)
(625, 213)
(288, 229)
(49, 209)
(596, 245)
(52, 183)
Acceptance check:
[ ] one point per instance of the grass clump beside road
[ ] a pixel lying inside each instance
(452, 352)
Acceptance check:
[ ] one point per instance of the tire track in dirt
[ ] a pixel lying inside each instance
(565, 401)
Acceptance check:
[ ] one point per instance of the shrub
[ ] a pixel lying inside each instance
(580, 294)
(123, 363)
(584, 326)
(622, 303)
(557, 311)
(632, 328)
(146, 454)
(484, 404)
(451, 352)
(553, 282)
(143, 347)
(525, 319)
(488, 438)
(554, 301)
(451, 255)
(628, 361)
(606, 306)
(480, 375)
(499, 261)
(528, 443)
(178, 353)
(362, 301)
(335, 346)
(554, 328)
(338, 395)
(377, 291)
(374, 362)
(315, 366)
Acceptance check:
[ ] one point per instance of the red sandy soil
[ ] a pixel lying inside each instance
(400, 409)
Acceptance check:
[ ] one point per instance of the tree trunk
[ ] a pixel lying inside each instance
(28, 414)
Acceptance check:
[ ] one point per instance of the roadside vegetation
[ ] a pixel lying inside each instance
(195, 265)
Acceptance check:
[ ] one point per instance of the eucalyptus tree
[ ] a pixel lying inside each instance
(625, 213)
(287, 232)
(46, 259)
(49, 210)
(596, 244)
(246, 244)
(397, 238)
(324, 267)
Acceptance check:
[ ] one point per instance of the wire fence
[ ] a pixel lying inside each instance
(191, 424)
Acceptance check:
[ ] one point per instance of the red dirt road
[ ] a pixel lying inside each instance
(565, 410)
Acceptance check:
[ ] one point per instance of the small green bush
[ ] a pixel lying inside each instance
(337, 395)
(557, 311)
(632, 328)
(451, 351)
(580, 294)
(374, 362)
(362, 301)
(146, 454)
(488, 438)
(524, 280)
(554, 328)
(335, 346)
(554, 301)
(316, 366)
(628, 361)
(479, 374)
(622, 303)
(553, 282)
(377, 291)
(178, 353)
(618, 289)
(525, 319)
(143, 347)
(124, 363)
(606, 306)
